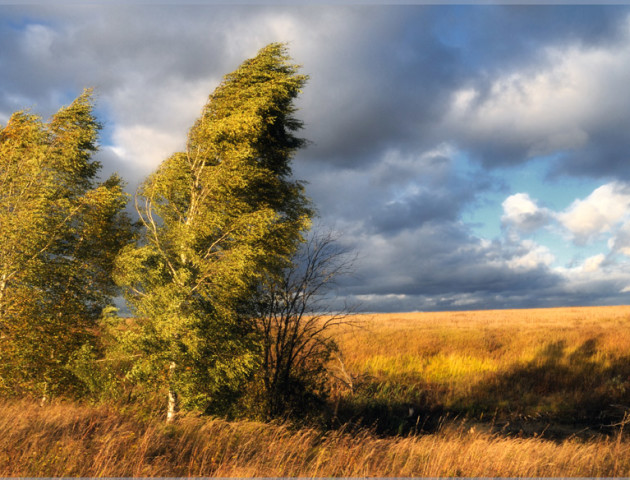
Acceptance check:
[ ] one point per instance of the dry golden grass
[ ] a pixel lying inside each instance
(466, 358)
(71, 440)
(504, 334)
(547, 367)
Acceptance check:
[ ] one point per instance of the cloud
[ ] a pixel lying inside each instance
(37, 41)
(522, 213)
(534, 256)
(567, 101)
(413, 112)
(598, 279)
(620, 241)
(442, 265)
(591, 264)
(525, 112)
(399, 191)
(603, 211)
(603, 214)
(381, 78)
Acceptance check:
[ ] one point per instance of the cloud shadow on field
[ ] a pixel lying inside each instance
(557, 387)
(560, 393)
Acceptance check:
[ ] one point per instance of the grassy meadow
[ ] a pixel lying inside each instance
(492, 393)
(548, 371)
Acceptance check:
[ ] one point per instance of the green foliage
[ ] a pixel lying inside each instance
(217, 218)
(59, 234)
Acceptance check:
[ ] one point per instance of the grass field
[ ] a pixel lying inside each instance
(556, 370)
(504, 393)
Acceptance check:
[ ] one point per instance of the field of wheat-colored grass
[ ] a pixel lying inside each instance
(535, 393)
(487, 339)
(79, 441)
(560, 365)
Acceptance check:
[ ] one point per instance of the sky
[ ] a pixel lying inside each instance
(470, 156)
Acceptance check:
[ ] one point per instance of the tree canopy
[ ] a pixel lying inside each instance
(60, 231)
(218, 218)
(213, 272)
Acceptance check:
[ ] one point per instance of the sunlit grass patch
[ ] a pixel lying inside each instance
(453, 368)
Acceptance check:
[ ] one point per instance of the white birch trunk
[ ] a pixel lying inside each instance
(172, 397)
(3, 287)
(44, 400)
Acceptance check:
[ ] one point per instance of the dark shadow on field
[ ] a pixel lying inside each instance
(396, 407)
(567, 390)
(563, 387)
(558, 394)
(388, 417)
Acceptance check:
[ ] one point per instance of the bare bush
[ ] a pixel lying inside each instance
(296, 320)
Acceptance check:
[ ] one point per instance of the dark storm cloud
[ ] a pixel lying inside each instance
(607, 154)
(380, 77)
(438, 195)
(394, 78)
(558, 94)
(502, 37)
(444, 258)
(443, 266)
(397, 192)
(414, 211)
(383, 84)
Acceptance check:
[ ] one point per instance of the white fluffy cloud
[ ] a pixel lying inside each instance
(527, 108)
(534, 256)
(604, 211)
(593, 263)
(603, 214)
(520, 211)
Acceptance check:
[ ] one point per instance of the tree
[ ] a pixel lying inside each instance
(59, 234)
(217, 218)
(297, 325)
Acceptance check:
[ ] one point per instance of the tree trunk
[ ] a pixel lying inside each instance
(44, 400)
(172, 395)
(3, 287)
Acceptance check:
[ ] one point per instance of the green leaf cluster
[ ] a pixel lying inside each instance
(60, 230)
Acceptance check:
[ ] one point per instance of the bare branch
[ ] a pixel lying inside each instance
(296, 322)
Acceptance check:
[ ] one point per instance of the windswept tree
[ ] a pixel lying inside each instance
(59, 234)
(217, 218)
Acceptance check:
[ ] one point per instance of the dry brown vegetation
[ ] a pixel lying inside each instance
(507, 393)
(541, 369)
(70, 440)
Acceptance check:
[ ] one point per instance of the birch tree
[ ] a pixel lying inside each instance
(217, 218)
(59, 233)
